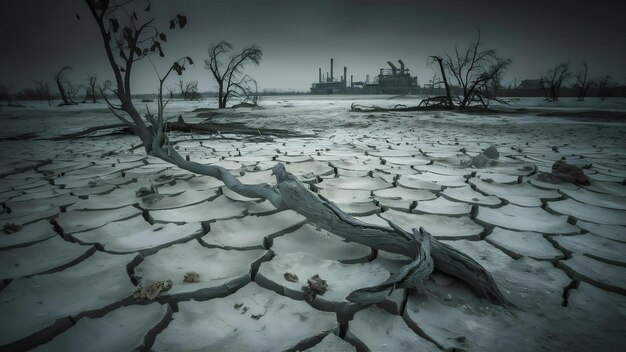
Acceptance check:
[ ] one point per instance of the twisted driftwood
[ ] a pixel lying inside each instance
(289, 192)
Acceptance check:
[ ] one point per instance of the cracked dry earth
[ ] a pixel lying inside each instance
(85, 233)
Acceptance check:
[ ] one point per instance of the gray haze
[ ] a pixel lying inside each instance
(38, 37)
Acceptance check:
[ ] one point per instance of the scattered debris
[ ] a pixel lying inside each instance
(10, 228)
(316, 286)
(291, 277)
(564, 172)
(191, 277)
(153, 291)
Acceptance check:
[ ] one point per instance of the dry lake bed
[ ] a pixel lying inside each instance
(107, 249)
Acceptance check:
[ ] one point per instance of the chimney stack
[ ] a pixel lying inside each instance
(320, 74)
(401, 67)
(331, 69)
(345, 75)
(351, 81)
(393, 68)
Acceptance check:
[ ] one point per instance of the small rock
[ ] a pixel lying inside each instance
(317, 285)
(491, 152)
(191, 277)
(291, 277)
(480, 161)
(564, 172)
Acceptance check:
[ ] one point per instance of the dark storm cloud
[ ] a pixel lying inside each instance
(38, 37)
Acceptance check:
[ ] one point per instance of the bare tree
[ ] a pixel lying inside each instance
(553, 80)
(604, 85)
(231, 80)
(67, 90)
(289, 192)
(188, 90)
(474, 69)
(583, 83)
(92, 86)
(448, 98)
(43, 91)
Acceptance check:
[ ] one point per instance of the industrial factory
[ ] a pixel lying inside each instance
(389, 81)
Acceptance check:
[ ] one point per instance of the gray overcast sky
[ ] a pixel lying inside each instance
(38, 37)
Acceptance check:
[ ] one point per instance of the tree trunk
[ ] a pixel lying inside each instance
(62, 89)
(445, 80)
(221, 101)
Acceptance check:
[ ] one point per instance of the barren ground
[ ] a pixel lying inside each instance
(84, 239)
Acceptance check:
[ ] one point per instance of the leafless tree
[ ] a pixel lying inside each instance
(43, 91)
(230, 77)
(67, 89)
(474, 69)
(289, 192)
(447, 101)
(92, 88)
(189, 90)
(583, 83)
(604, 85)
(553, 80)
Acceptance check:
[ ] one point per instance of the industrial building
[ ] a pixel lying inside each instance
(388, 81)
(328, 84)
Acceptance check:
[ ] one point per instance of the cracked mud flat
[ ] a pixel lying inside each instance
(87, 231)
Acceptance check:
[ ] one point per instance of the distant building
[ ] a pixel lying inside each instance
(388, 81)
(329, 85)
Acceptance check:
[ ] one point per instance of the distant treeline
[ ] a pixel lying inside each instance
(617, 91)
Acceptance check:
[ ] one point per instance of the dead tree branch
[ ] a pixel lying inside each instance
(229, 76)
(290, 193)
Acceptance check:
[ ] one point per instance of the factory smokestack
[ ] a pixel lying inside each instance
(345, 75)
(320, 74)
(393, 68)
(401, 67)
(331, 69)
(351, 81)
